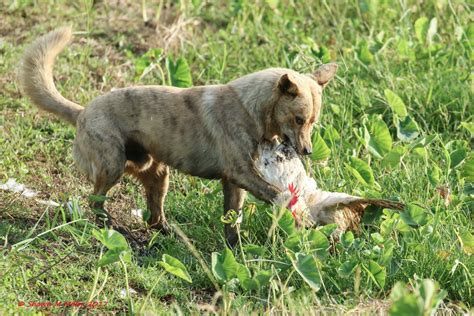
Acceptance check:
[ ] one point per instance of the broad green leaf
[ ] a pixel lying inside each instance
(347, 268)
(287, 223)
(421, 29)
(306, 266)
(292, 243)
(113, 255)
(387, 252)
(427, 290)
(254, 250)
(457, 156)
(321, 151)
(431, 295)
(404, 50)
(469, 126)
(398, 291)
(318, 243)
(362, 171)
(331, 134)
(224, 266)
(328, 229)
(347, 239)
(377, 137)
(393, 158)
(377, 238)
(126, 255)
(243, 274)
(470, 33)
(414, 215)
(260, 280)
(468, 189)
(403, 227)
(179, 72)
(407, 129)
(377, 273)
(365, 55)
(143, 62)
(263, 277)
(420, 152)
(467, 241)
(110, 238)
(336, 109)
(175, 267)
(154, 54)
(387, 227)
(406, 305)
(422, 141)
(468, 169)
(284, 264)
(434, 174)
(396, 103)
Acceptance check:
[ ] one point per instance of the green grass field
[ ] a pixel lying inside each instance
(401, 104)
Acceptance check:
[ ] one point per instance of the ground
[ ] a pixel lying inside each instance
(401, 103)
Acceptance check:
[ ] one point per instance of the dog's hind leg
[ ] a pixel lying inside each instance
(233, 200)
(155, 179)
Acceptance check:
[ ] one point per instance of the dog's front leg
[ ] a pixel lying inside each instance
(233, 200)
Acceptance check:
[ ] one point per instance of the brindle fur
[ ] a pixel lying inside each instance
(207, 131)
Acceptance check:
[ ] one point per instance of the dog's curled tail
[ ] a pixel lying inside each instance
(36, 77)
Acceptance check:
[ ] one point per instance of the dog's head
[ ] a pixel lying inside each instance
(298, 106)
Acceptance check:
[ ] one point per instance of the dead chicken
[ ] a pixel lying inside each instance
(280, 165)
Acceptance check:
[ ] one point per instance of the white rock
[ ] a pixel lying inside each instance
(138, 213)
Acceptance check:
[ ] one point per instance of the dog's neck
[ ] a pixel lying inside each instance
(257, 94)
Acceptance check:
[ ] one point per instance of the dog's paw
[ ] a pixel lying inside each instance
(161, 226)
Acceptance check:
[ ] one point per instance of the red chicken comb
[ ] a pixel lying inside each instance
(294, 199)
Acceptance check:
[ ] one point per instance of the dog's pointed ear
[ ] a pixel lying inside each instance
(287, 85)
(325, 73)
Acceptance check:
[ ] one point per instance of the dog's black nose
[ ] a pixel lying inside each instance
(307, 151)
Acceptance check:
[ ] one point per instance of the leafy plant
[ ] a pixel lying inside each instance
(179, 72)
(307, 268)
(407, 129)
(320, 149)
(377, 137)
(226, 268)
(118, 248)
(361, 171)
(175, 267)
(146, 62)
(414, 215)
(396, 103)
(421, 29)
(423, 300)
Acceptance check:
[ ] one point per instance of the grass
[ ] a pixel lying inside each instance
(379, 45)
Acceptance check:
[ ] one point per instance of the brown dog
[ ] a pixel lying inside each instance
(209, 131)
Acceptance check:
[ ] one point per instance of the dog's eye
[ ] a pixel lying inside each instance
(299, 120)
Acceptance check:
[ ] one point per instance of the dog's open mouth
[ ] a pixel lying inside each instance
(287, 142)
